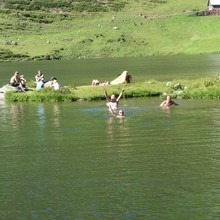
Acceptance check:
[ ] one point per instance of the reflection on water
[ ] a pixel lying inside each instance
(166, 110)
(41, 115)
(117, 129)
(16, 114)
(3, 110)
(54, 112)
(56, 115)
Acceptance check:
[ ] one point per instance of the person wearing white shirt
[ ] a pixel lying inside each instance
(55, 84)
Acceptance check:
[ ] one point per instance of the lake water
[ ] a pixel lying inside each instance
(82, 72)
(75, 161)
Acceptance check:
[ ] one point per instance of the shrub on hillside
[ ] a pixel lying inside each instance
(34, 4)
(76, 5)
(6, 54)
(33, 16)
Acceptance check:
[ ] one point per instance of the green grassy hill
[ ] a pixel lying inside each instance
(61, 29)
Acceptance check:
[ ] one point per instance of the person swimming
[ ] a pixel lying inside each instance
(119, 114)
(168, 102)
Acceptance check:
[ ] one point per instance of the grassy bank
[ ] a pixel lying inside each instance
(129, 29)
(197, 89)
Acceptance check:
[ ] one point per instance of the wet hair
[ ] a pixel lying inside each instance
(121, 112)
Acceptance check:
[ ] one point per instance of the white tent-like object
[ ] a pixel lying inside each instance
(120, 79)
(214, 3)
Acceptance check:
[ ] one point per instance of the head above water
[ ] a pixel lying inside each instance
(121, 113)
(168, 98)
(113, 98)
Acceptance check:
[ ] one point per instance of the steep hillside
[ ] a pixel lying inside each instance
(61, 29)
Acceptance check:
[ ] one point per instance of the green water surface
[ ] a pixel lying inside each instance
(82, 72)
(75, 161)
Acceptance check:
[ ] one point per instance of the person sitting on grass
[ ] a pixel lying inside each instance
(39, 77)
(15, 79)
(22, 84)
(55, 85)
(113, 102)
(40, 85)
(18, 82)
(52, 83)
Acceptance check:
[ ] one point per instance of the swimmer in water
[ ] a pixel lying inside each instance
(113, 102)
(119, 114)
(168, 102)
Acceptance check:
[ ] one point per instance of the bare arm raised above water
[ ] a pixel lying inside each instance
(120, 95)
(106, 95)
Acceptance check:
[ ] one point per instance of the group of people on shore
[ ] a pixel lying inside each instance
(19, 82)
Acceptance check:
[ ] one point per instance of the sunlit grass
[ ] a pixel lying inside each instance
(145, 28)
(200, 88)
